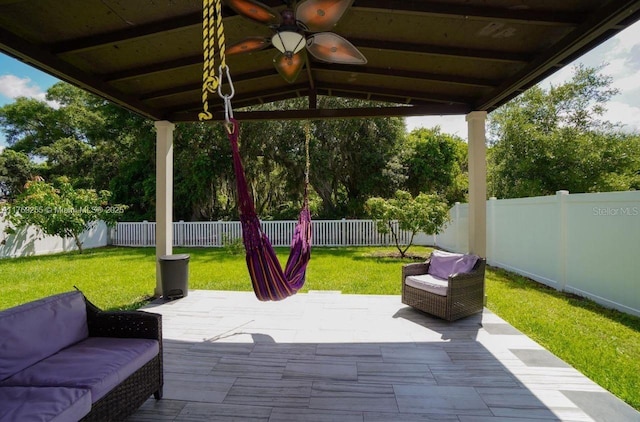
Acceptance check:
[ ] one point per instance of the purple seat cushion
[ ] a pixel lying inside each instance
(443, 264)
(35, 330)
(97, 363)
(36, 404)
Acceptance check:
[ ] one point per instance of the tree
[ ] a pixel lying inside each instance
(353, 159)
(435, 163)
(550, 140)
(15, 170)
(203, 173)
(60, 210)
(424, 213)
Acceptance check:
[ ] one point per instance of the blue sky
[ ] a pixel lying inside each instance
(621, 53)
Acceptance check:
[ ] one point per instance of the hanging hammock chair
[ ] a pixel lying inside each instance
(269, 281)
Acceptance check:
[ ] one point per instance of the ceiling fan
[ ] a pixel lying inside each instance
(306, 24)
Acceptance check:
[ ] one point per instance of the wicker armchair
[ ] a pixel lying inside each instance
(465, 292)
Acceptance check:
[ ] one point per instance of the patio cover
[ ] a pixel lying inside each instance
(435, 56)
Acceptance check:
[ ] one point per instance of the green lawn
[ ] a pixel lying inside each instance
(125, 277)
(601, 343)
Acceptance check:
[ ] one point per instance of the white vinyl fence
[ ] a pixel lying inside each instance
(29, 241)
(587, 244)
(217, 233)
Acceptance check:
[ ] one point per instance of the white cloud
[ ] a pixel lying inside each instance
(454, 125)
(626, 114)
(625, 41)
(558, 78)
(12, 86)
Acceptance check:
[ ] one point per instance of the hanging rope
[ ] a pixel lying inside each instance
(307, 136)
(212, 28)
(270, 281)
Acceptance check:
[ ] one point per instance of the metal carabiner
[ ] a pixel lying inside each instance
(228, 114)
(228, 110)
(228, 74)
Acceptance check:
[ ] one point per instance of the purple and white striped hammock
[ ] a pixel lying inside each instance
(268, 279)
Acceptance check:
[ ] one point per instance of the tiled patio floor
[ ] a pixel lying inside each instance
(325, 356)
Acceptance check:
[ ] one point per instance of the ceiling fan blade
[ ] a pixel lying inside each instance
(256, 11)
(289, 67)
(321, 15)
(248, 45)
(332, 48)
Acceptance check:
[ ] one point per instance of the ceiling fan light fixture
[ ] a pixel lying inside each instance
(288, 42)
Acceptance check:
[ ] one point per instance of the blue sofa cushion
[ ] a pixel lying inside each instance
(97, 363)
(35, 330)
(38, 404)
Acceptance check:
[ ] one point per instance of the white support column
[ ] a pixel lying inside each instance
(164, 195)
(477, 183)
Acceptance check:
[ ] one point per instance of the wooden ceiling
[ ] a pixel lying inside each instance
(430, 57)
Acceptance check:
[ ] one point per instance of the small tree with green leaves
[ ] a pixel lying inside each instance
(57, 209)
(424, 213)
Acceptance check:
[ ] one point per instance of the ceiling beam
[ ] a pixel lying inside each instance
(457, 10)
(410, 74)
(197, 86)
(401, 47)
(128, 34)
(252, 98)
(324, 113)
(600, 22)
(396, 93)
(140, 31)
(51, 64)
(537, 17)
(339, 68)
(470, 53)
(153, 68)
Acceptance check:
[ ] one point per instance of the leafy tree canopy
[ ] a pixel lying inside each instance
(57, 209)
(435, 162)
(15, 170)
(549, 140)
(424, 213)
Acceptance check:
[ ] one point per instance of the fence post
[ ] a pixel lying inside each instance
(561, 197)
(456, 213)
(491, 229)
(343, 232)
(145, 233)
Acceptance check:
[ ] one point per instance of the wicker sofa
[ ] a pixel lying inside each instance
(449, 295)
(62, 359)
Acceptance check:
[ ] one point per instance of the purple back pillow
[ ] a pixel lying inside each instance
(443, 264)
(35, 330)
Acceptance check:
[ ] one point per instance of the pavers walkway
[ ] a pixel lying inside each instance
(325, 356)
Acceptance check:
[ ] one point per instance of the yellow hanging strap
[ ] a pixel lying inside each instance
(212, 28)
(220, 34)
